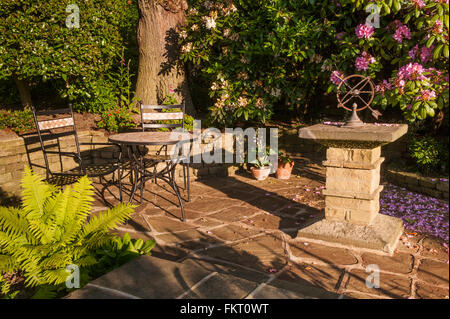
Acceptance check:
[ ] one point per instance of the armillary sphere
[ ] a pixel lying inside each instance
(358, 91)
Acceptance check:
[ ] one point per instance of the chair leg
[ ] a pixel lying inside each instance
(188, 183)
(177, 192)
(119, 177)
(184, 175)
(142, 188)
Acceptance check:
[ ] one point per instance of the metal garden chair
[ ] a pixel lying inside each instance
(164, 116)
(46, 129)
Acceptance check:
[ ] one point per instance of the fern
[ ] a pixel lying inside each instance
(51, 230)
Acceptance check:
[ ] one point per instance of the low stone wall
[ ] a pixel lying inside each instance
(17, 152)
(435, 187)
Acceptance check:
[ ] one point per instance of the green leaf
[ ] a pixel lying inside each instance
(445, 51)
(437, 51)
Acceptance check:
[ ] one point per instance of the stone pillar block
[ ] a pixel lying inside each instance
(366, 156)
(354, 210)
(353, 180)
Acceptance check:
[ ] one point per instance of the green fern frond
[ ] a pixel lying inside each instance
(80, 203)
(34, 193)
(56, 260)
(98, 240)
(7, 264)
(55, 276)
(55, 211)
(86, 261)
(109, 220)
(12, 222)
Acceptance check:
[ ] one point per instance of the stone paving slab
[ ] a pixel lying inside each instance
(255, 240)
(382, 234)
(220, 286)
(152, 278)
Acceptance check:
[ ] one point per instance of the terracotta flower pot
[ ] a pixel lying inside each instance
(260, 173)
(284, 170)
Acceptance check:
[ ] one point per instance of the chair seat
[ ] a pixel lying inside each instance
(92, 170)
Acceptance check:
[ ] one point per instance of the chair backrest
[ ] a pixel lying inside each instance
(44, 127)
(155, 118)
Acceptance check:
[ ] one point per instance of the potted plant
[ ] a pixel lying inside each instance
(285, 165)
(261, 167)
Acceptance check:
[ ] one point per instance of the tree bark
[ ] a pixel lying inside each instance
(24, 92)
(160, 69)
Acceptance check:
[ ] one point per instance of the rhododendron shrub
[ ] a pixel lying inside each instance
(260, 53)
(406, 57)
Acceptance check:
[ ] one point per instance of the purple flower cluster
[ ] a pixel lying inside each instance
(336, 77)
(362, 62)
(425, 54)
(420, 213)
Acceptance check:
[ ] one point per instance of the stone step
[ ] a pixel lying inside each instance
(148, 277)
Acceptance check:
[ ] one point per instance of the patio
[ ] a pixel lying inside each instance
(243, 225)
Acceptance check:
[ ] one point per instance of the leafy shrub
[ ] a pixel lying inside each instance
(116, 119)
(258, 54)
(71, 57)
(18, 121)
(118, 252)
(428, 153)
(407, 55)
(188, 120)
(112, 90)
(53, 229)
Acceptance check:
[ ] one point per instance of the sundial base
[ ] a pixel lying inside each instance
(354, 121)
(382, 234)
(352, 193)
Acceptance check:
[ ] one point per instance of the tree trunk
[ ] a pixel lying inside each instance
(160, 69)
(24, 92)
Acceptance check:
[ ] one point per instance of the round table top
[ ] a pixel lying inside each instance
(151, 138)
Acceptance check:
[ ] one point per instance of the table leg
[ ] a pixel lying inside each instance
(136, 168)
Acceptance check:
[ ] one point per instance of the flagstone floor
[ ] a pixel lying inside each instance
(252, 225)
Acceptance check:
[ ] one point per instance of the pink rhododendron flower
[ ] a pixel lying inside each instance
(368, 57)
(419, 3)
(364, 31)
(413, 52)
(361, 63)
(426, 54)
(383, 86)
(400, 85)
(336, 77)
(411, 71)
(438, 27)
(427, 95)
(401, 33)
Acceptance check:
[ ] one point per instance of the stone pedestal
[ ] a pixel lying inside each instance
(352, 194)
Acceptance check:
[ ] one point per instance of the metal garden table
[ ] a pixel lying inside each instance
(134, 142)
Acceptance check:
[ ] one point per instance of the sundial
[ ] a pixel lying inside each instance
(358, 91)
